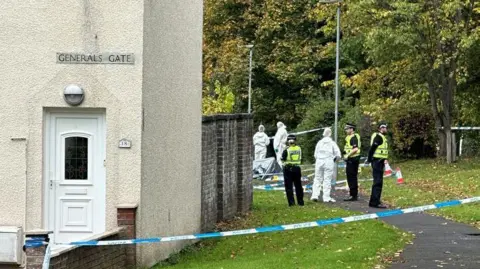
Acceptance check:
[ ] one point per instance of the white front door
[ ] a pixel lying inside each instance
(75, 156)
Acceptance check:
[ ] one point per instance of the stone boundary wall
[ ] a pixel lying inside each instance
(227, 158)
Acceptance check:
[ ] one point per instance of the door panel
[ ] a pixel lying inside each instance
(76, 215)
(77, 189)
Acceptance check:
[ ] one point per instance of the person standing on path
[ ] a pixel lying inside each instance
(377, 155)
(280, 140)
(352, 160)
(326, 154)
(261, 141)
(292, 174)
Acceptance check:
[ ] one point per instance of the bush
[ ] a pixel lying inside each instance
(413, 132)
(322, 114)
(411, 129)
(319, 114)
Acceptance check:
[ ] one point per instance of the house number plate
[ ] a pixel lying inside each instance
(125, 143)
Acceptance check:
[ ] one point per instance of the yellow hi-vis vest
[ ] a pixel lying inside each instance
(382, 151)
(294, 156)
(348, 147)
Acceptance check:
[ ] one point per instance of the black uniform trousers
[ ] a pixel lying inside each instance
(352, 175)
(377, 170)
(292, 175)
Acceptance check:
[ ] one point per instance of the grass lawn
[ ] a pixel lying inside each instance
(428, 181)
(363, 244)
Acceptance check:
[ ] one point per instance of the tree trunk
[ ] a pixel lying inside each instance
(447, 102)
(442, 142)
(454, 147)
(448, 134)
(441, 151)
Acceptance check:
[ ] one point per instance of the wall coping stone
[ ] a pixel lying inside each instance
(126, 206)
(38, 232)
(217, 117)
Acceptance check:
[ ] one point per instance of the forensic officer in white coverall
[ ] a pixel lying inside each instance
(326, 154)
(261, 141)
(280, 141)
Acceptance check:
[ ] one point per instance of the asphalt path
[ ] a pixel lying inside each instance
(438, 243)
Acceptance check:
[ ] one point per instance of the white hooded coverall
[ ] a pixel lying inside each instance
(325, 152)
(261, 141)
(280, 141)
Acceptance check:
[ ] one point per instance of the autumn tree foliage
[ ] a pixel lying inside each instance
(412, 63)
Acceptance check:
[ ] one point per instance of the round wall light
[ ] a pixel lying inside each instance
(73, 95)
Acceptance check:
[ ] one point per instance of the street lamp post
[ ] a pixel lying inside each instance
(337, 63)
(337, 75)
(250, 47)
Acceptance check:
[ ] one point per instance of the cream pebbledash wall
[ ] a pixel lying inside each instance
(31, 81)
(162, 170)
(171, 147)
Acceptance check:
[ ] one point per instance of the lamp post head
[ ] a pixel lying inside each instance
(249, 46)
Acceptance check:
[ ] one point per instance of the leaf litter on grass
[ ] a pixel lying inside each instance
(430, 181)
(303, 248)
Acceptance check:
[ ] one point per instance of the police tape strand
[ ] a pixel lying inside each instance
(305, 132)
(46, 259)
(340, 165)
(306, 188)
(317, 223)
(277, 186)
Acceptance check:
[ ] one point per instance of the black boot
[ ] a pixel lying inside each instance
(351, 199)
(382, 206)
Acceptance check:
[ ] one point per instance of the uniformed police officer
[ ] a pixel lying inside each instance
(292, 174)
(377, 155)
(352, 160)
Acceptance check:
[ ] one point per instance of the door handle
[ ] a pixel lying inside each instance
(53, 181)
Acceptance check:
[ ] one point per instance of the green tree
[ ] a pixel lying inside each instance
(293, 55)
(221, 101)
(425, 37)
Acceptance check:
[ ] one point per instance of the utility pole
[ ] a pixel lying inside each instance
(337, 64)
(250, 47)
(337, 77)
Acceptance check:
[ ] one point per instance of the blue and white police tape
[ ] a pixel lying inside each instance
(276, 228)
(306, 188)
(279, 173)
(363, 180)
(268, 186)
(343, 165)
(339, 165)
(46, 259)
(280, 179)
(304, 132)
(277, 187)
(317, 223)
(34, 242)
(267, 174)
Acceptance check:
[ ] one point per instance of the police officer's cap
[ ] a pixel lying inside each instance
(382, 125)
(291, 137)
(350, 125)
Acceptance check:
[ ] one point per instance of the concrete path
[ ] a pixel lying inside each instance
(439, 243)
